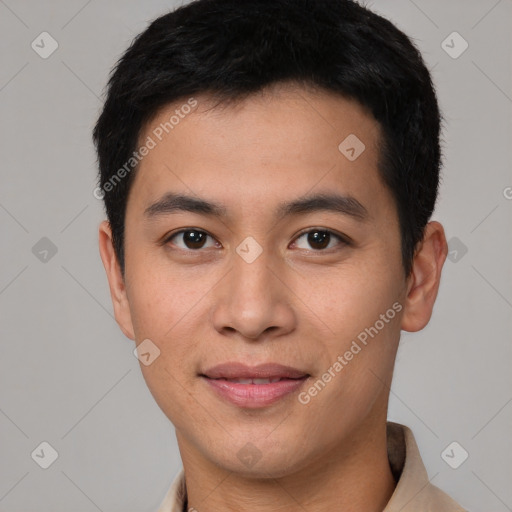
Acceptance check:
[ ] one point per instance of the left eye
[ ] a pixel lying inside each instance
(319, 239)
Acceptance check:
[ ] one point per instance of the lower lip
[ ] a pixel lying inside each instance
(255, 395)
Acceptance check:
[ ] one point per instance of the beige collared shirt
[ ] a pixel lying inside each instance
(413, 492)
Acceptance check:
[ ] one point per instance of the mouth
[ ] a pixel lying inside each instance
(256, 386)
(255, 380)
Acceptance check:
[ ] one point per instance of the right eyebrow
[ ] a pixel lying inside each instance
(172, 202)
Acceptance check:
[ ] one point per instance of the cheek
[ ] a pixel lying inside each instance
(362, 310)
(160, 299)
(168, 318)
(169, 322)
(170, 391)
(165, 307)
(358, 376)
(348, 299)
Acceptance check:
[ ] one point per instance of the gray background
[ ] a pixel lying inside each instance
(68, 375)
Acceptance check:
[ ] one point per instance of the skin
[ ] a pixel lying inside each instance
(296, 304)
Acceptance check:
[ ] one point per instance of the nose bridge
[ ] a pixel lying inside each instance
(251, 300)
(251, 288)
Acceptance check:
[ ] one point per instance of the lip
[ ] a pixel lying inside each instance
(254, 395)
(262, 371)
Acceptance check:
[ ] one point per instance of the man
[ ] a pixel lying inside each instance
(269, 171)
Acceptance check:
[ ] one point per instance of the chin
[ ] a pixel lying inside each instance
(260, 460)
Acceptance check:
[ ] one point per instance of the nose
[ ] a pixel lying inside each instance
(252, 302)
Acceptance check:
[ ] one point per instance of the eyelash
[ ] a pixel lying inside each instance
(344, 240)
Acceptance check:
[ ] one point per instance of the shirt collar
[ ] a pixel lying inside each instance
(413, 492)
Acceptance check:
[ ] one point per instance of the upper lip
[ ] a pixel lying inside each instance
(236, 370)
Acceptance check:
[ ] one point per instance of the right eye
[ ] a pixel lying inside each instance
(191, 239)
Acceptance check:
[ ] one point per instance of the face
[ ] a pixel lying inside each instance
(254, 242)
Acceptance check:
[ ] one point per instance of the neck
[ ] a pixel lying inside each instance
(354, 476)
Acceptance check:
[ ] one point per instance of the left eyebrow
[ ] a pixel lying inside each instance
(346, 205)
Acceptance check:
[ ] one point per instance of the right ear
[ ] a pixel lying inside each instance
(115, 280)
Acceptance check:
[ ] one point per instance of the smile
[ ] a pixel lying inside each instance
(253, 387)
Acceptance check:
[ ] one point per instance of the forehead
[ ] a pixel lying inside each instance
(283, 141)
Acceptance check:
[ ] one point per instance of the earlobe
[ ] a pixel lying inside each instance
(423, 282)
(115, 280)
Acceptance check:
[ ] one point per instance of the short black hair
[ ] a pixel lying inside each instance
(231, 49)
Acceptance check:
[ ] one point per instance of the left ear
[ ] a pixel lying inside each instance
(423, 282)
